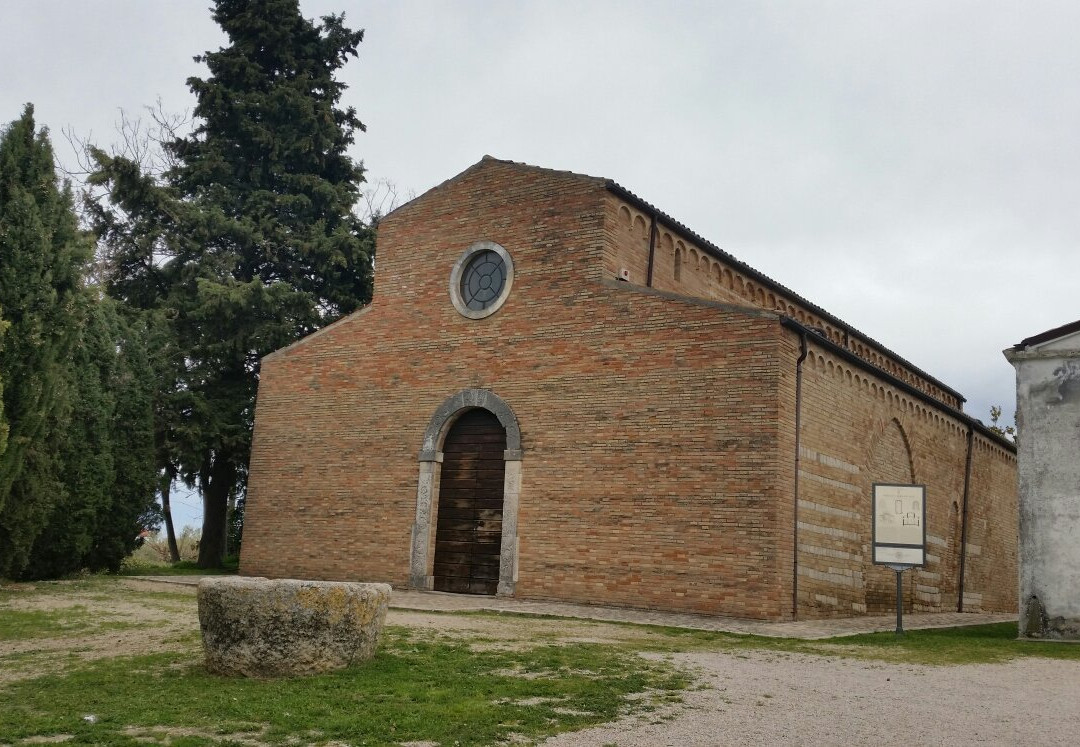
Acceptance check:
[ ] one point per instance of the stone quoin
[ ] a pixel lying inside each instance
(560, 392)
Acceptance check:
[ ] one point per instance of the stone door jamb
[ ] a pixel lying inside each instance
(427, 486)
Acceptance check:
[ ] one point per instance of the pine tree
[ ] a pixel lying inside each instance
(249, 242)
(41, 256)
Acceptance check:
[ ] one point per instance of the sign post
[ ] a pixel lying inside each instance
(899, 533)
(899, 597)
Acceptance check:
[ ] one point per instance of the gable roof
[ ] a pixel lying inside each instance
(485, 161)
(1048, 335)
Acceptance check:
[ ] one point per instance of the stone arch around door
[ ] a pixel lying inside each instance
(421, 556)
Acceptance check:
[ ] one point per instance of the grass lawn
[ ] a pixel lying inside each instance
(99, 661)
(412, 691)
(975, 644)
(67, 668)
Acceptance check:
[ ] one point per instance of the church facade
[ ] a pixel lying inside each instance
(560, 392)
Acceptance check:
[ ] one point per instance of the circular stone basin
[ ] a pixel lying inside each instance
(258, 627)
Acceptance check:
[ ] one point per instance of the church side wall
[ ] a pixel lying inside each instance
(650, 426)
(682, 266)
(991, 578)
(857, 430)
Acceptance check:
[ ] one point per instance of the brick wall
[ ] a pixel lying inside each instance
(993, 542)
(649, 424)
(858, 429)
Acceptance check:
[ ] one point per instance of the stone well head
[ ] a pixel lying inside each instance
(258, 627)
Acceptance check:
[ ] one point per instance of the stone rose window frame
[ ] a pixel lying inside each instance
(465, 270)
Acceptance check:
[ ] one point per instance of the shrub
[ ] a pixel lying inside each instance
(155, 550)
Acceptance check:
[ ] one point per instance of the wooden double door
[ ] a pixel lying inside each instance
(468, 532)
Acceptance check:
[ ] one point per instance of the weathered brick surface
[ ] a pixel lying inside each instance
(858, 430)
(658, 430)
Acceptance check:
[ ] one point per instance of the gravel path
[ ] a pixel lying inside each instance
(765, 698)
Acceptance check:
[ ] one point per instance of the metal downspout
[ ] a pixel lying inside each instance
(652, 250)
(798, 459)
(964, 519)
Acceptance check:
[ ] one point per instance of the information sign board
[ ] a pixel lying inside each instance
(899, 536)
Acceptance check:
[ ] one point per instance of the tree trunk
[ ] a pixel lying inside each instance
(230, 516)
(166, 510)
(216, 490)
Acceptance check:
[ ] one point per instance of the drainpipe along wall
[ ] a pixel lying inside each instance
(652, 250)
(964, 519)
(798, 459)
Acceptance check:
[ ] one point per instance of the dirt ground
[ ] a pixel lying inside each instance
(168, 621)
(142, 626)
(762, 698)
(740, 698)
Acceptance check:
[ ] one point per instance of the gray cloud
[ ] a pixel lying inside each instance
(910, 166)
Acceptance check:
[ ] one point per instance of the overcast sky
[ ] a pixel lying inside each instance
(912, 167)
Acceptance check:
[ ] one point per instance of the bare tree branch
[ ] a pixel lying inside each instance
(141, 140)
(379, 198)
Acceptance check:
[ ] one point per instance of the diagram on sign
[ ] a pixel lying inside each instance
(911, 518)
(898, 506)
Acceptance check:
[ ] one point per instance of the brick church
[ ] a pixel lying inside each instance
(561, 392)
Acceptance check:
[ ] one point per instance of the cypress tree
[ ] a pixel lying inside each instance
(41, 256)
(105, 454)
(249, 242)
(130, 506)
(3, 421)
(76, 476)
(83, 453)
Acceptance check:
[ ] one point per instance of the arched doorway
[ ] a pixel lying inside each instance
(468, 529)
(459, 410)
